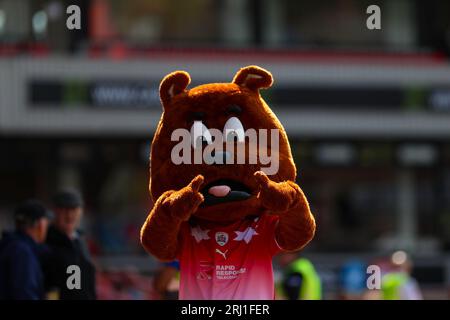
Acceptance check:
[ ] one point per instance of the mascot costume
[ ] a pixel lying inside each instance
(223, 218)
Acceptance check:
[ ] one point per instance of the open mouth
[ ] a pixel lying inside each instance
(223, 190)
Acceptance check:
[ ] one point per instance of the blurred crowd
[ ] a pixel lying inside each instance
(46, 257)
(297, 278)
(36, 256)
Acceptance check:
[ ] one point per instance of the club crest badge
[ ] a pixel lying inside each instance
(221, 238)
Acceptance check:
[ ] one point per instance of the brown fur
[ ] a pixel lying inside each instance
(175, 189)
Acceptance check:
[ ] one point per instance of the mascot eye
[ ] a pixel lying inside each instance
(233, 130)
(200, 135)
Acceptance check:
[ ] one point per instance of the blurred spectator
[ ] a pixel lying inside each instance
(352, 280)
(166, 281)
(21, 276)
(67, 248)
(398, 284)
(300, 280)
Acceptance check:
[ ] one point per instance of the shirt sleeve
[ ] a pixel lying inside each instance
(182, 235)
(268, 225)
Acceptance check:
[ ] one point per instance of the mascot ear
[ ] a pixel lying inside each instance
(254, 78)
(172, 84)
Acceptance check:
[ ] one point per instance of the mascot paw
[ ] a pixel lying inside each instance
(276, 197)
(184, 202)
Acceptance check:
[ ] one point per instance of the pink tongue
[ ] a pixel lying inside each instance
(219, 191)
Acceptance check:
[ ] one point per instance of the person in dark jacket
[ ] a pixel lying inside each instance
(21, 276)
(68, 249)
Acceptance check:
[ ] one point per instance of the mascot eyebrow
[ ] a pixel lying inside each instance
(198, 115)
(234, 109)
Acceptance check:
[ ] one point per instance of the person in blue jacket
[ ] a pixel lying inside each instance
(21, 276)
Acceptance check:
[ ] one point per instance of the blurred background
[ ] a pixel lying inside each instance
(367, 113)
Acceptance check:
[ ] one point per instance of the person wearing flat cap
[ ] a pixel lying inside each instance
(67, 248)
(21, 275)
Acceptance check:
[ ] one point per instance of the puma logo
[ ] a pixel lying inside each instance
(223, 254)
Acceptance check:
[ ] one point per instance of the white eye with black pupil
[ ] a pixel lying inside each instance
(233, 130)
(200, 135)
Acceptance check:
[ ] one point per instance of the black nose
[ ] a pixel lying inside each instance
(220, 157)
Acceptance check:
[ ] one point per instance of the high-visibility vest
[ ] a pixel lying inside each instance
(311, 285)
(391, 284)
